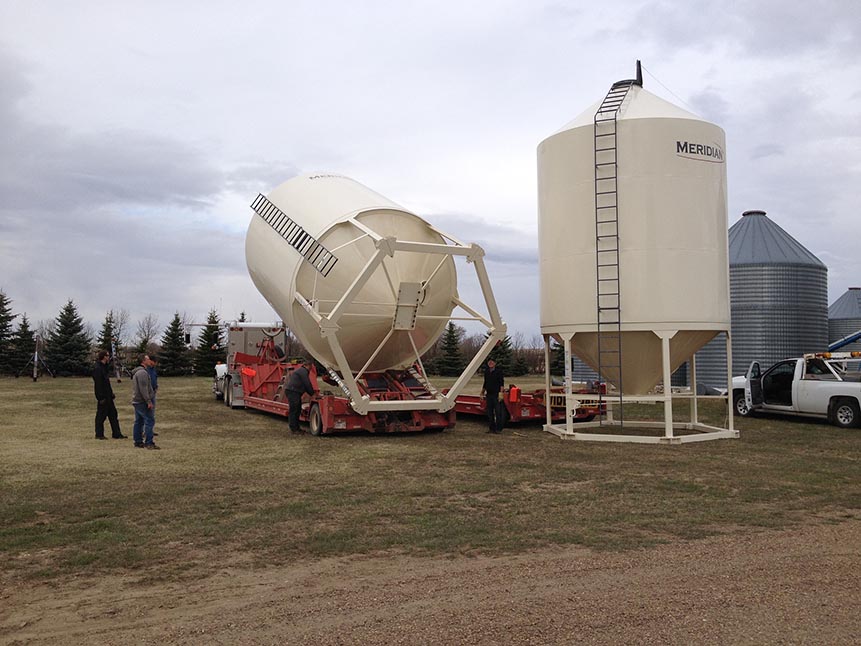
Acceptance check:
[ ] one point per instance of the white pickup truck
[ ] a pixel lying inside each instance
(825, 385)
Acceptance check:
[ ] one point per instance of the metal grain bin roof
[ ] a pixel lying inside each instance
(757, 240)
(847, 306)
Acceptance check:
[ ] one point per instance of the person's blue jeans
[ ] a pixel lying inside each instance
(144, 423)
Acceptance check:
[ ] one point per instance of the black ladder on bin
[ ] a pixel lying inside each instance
(607, 239)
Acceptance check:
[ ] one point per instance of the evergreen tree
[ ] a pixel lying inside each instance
(210, 346)
(502, 355)
(450, 362)
(22, 346)
(520, 366)
(106, 335)
(174, 359)
(6, 318)
(557, 358)
(69, 346)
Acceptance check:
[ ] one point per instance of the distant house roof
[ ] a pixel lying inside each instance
(847, 306)
(757, 240)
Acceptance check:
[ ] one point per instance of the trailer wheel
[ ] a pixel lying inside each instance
(739, 404)
(846, 413)
(503, 417)
(315, 420)
(228, 393)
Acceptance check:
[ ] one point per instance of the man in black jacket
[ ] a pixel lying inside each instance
(105, 398)
(494, 380)
(298, 383)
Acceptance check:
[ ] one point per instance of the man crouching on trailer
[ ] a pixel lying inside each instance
(298, 383)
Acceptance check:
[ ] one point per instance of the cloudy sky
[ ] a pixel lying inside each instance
(135, 135)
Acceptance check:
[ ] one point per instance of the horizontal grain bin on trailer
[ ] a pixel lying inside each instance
(365, 284)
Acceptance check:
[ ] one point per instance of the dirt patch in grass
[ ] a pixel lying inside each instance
(787, 586)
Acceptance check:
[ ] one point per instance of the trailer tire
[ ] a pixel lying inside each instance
(315, 420)
(739, 404)
(228, 393)
(503, 417)
(845, 413)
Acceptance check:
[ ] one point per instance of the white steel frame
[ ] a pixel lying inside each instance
(386, 247)
(572, 402)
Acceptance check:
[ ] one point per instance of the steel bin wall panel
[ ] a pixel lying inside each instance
(844, 318)
(327, 206)
(672, 235)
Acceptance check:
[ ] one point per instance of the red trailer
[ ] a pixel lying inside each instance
(529, 407)
(264, 376)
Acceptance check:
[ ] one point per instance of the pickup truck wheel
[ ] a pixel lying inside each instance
(315, 420)
(846, 413)
(739, 404)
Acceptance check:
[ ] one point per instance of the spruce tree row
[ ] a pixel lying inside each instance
(68, 350)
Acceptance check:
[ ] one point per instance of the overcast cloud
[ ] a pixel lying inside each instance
(135, 135)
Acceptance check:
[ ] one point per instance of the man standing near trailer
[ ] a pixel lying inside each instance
(298, 383)
(493, 383)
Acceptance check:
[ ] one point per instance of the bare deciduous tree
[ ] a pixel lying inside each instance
(147, 331)
(121, 325)
(45, 329)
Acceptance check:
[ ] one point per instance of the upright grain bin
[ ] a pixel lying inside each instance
(778, 296)
(844, 319)
(670, 192)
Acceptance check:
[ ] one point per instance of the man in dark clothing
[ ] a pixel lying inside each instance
(298, 383)
(493, 383)
(105, 408)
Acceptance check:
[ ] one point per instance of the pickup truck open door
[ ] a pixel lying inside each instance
(753, 387)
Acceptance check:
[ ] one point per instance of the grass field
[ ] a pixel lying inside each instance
(234, 487)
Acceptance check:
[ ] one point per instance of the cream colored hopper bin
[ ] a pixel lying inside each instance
(363, 283)
(672, 235)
